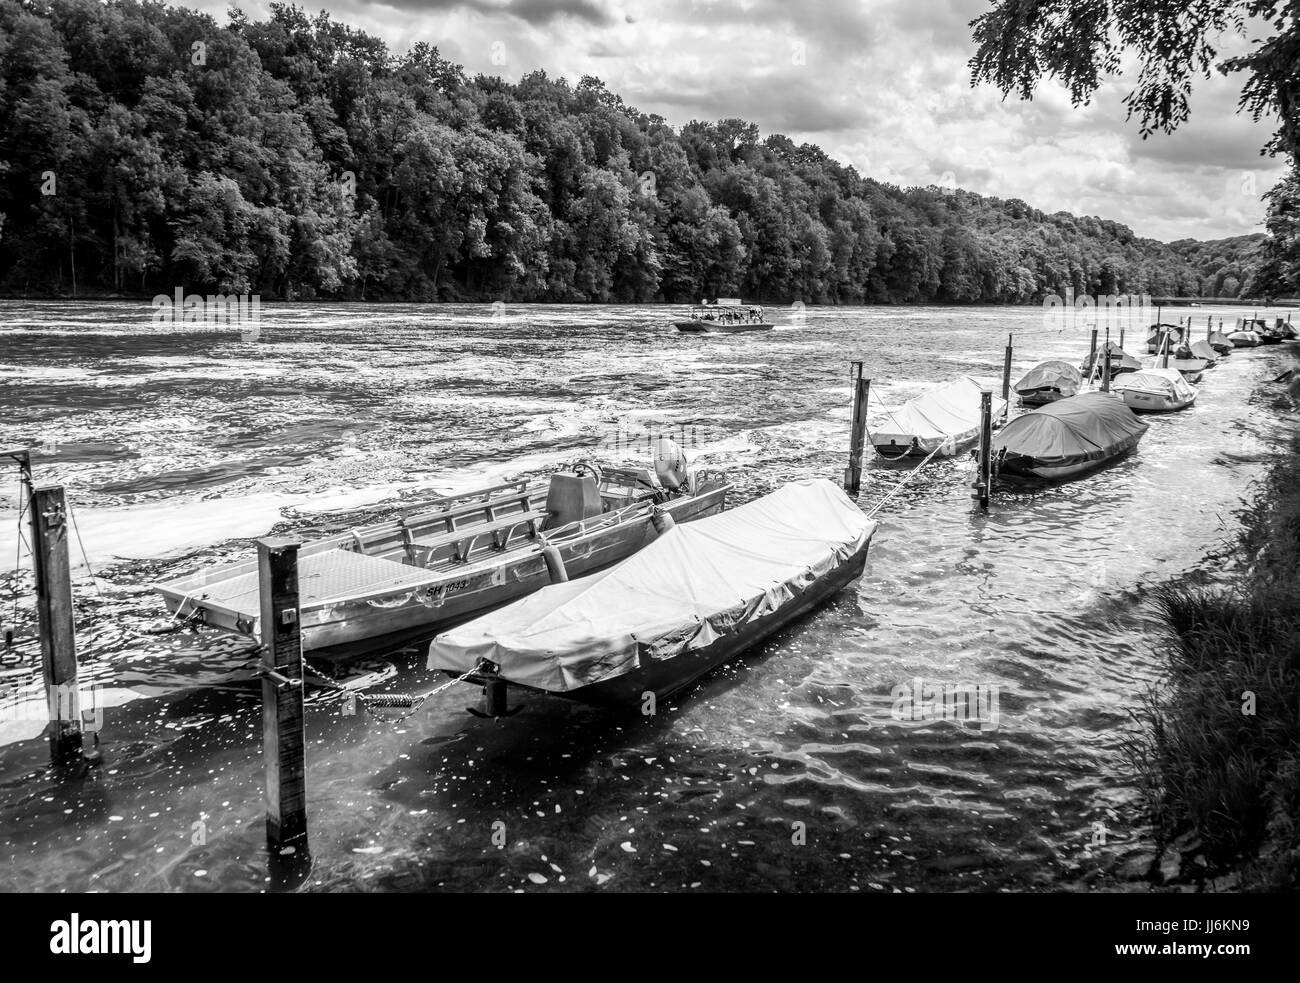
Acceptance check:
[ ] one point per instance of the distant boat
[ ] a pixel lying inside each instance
(1288, 330)
(728, 315)
(1047, 382)
(1244, 339)
(1120, 361)
(1156, 391)
(1068, 438)
(695, 598)
(1203, 349)
(946, 419)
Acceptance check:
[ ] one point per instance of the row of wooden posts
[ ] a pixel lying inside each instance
(984, 453)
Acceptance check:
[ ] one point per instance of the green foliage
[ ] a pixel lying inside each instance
(296, 157)
(1218, 754)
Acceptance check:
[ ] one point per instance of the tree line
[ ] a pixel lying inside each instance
(145, 147)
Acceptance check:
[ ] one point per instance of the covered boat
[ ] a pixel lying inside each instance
(1120, 361)
(1203, 349)
(449, 559)
(1156, 391)
(1047, 382)
(1268, 334)
(1068, 438)
(1220, 342)
(1244, 339)
(690, 601)
(1157, 334)
(946, 418)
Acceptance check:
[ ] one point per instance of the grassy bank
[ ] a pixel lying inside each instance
(1220, 751)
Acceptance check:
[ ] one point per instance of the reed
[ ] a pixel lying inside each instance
(1219, 750)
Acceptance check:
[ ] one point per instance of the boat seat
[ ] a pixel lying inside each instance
(463, 541)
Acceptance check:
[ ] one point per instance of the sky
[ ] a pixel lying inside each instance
(882, 85)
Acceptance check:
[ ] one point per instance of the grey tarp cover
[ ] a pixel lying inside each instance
(696, 582)
(1203, 349)
(1087, 427)
(1051, 375)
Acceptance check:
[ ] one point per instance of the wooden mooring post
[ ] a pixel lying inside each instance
(1105, 363)
(1006, 372)
(858, 435)
(283, 731)
(1092, 356)
(54, 613)
(984, 480)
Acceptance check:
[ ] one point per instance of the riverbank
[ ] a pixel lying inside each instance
(1220, 757)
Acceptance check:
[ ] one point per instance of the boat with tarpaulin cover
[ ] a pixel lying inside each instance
(1067, 438)
(945, 419)
(695, 598)
(1047, 382)
(1156, 391)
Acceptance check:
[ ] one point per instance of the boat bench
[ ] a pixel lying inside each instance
(463, 541)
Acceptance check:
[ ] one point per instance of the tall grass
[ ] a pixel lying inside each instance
(1219, 753)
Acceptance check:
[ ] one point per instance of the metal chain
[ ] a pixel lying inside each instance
(374, 701)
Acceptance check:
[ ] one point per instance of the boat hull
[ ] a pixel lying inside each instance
(1145, 402)
(1041, 397)
(671, 676)
(707, 327)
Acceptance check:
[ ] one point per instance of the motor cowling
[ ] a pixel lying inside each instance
(670, 464)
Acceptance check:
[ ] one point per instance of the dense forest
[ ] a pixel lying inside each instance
(145, 147)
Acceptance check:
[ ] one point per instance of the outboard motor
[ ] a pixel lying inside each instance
(670, 464)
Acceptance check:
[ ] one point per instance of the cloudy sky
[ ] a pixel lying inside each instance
(879, 84)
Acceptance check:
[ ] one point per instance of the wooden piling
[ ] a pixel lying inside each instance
(1092, 356)
(1006, 372)
(283, 732)
(985, 479)
(857, 436)
(1105, 364)
(54, 613)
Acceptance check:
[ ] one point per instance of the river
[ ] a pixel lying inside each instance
(783, 771)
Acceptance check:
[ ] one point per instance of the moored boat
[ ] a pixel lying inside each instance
(944, 419)
(1047, 382)
(450, 559)
(1268, 334)
(1220, 342)
(694, 599)
(1120, 361)
(1156, 391)
(727, 315)
(1068, 438)
(1159, 332)
(1244, 339)
(1204, 350)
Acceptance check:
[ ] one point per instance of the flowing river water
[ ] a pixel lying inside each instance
(786, 770)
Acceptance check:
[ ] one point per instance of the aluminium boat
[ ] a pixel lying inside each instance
(1156, 391)
(449, 559)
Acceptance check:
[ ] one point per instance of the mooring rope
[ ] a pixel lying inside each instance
(910, 475)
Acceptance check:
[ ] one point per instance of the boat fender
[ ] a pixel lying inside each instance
(670, 464)
(662, 520)
(554, 563)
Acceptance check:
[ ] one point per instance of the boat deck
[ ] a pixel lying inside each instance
(323, 578)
